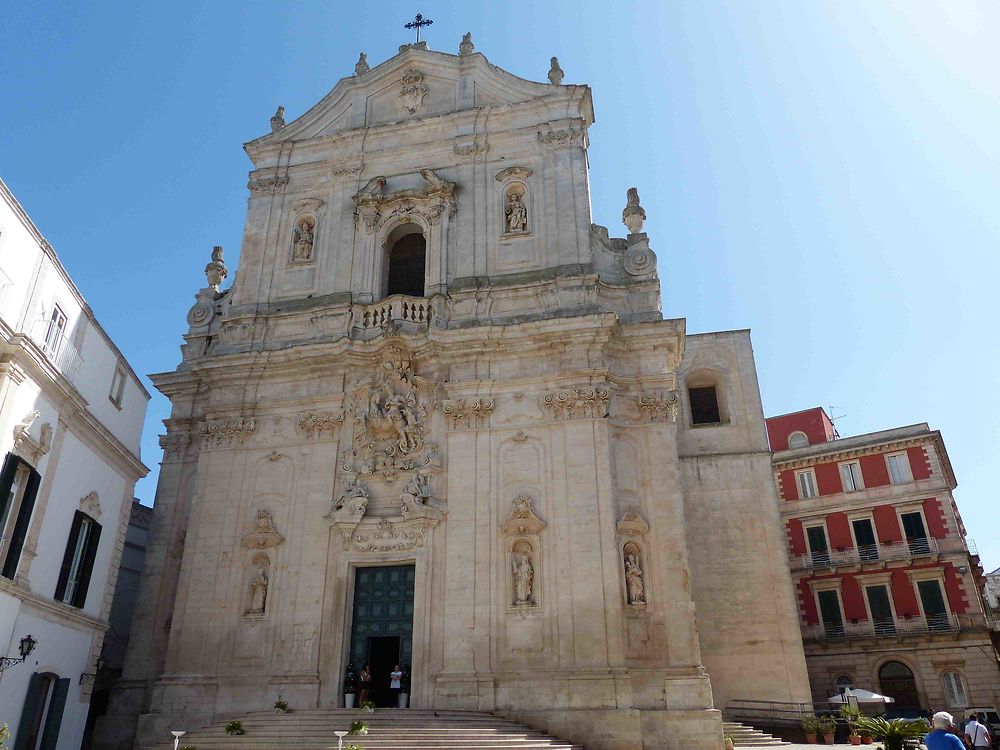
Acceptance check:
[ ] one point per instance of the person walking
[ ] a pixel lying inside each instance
(976, 734)
(395, 681)
(940, 738)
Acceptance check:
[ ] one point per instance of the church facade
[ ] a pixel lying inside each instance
(439, 421)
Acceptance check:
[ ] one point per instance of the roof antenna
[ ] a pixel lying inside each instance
(833, 419)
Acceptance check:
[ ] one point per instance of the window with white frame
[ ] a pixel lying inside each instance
(78, 560)
(899, 468)
(806, 482)
(954, 689)
(798, 439)
(56, 331)
(117, 386)
(18, 487)
(850, 476)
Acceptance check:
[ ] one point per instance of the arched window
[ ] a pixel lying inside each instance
(844, 683)
(406, 253)
(798, 439)
(954, 690)
(896, 680)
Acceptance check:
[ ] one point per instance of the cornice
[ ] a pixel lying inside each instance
(50, 609)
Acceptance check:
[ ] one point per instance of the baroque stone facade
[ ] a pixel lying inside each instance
(433, 358)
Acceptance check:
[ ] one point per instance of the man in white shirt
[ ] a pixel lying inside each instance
(978, 734)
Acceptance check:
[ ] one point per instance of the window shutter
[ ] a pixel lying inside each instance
(31, 707)
(80, 598)
(74, 532)
(21, 527)
(53, 720)
(6, 480)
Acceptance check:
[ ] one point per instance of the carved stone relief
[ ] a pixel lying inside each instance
(174, 445)
(515, 210)
(222, 433)
(658, 406)
(579, 403)
(27, 446)
(265, 533)
(466, 414)
(632, 547)
(466, 148)
(522, 534)
(266, 184)
(317, 426)
(412, 91)
(303, 238)
(374, 207)
(561, 138)
(91, 505)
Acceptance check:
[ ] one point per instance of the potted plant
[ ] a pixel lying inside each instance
(866, 739)
(350, 686)
(730, 744)
(851, 714)
(281, 706)
(810, 725)
(368, 707)
(827, 727)
(234, 727)
(893, 734)
(4, 736)
(404, 688)
(358, 727)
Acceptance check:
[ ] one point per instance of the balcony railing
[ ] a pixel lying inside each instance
(870, 553)
(399, 308)
(993, 620)
(943, 623)
(57, 348)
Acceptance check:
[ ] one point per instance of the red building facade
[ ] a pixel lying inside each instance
(888, 585)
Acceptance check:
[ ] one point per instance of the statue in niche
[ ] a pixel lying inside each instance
(415, 495)
(517, 214)
(633, 581)
(302, 242)
(523, 573)
(258, 593)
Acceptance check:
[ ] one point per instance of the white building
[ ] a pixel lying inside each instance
(71, 414)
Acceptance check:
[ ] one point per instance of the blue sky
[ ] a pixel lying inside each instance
(824, 173)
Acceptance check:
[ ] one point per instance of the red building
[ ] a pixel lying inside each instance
(889, 587)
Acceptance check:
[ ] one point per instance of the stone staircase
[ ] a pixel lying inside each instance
(744, 736)
(388, 729)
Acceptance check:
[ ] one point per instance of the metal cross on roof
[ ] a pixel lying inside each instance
(416, 23)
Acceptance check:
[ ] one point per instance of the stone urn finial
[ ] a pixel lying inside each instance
(555, 72)
(361, 66)
(633, 214)
(278, 121)
(466, 47)
(216, 271)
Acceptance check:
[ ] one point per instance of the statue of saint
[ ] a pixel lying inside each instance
(258, 593)
(633, 581)
(523, 574)
(517, 214)
(303, 241)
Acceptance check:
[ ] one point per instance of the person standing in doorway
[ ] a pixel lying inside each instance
(366, 684)
(977, 734)
(395, 678)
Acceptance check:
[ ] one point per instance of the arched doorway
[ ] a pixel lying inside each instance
(405, 261)
(895, 679)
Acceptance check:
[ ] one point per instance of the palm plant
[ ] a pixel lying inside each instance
(851, 715)
(893, 734)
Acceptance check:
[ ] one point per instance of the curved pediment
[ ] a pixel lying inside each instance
(414, 84)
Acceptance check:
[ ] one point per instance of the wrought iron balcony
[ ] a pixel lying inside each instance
(57, 348)
(871, 553)
(943, 623)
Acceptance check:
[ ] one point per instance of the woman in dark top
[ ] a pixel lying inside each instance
(366, 683)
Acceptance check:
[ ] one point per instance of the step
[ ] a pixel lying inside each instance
(747, 736)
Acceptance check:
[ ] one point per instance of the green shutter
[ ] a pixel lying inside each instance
(80, 597)
(7, 479)
(32, 708)
(74, 532)
(53, 720)
(21, 527)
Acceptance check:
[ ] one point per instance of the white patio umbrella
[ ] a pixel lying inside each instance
(862, 696)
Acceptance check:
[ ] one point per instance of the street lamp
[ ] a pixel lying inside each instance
(25, 647)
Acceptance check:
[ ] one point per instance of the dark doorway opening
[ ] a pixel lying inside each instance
(383, 656)
(406, 260)
(896, 680)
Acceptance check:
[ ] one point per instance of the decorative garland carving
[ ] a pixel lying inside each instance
(560, 138)
(471, 149)
(174, 445)
(315, 426)
(522, 518)
(220, 433)
(469, 414)
(658, 406)
(268, 185)
(413, 90)
(513, 173)
(580, 403)
(374, 208)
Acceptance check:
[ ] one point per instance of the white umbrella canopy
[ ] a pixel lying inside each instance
(863, 696)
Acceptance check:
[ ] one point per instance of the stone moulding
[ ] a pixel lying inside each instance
(522, 518)
(470, 149)
(656, 406)
(469, 414)
(221, 433)
(513, 173)
(560, 138)
(317, 426)
(579, 403)
(374, 208)
(174, 445)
